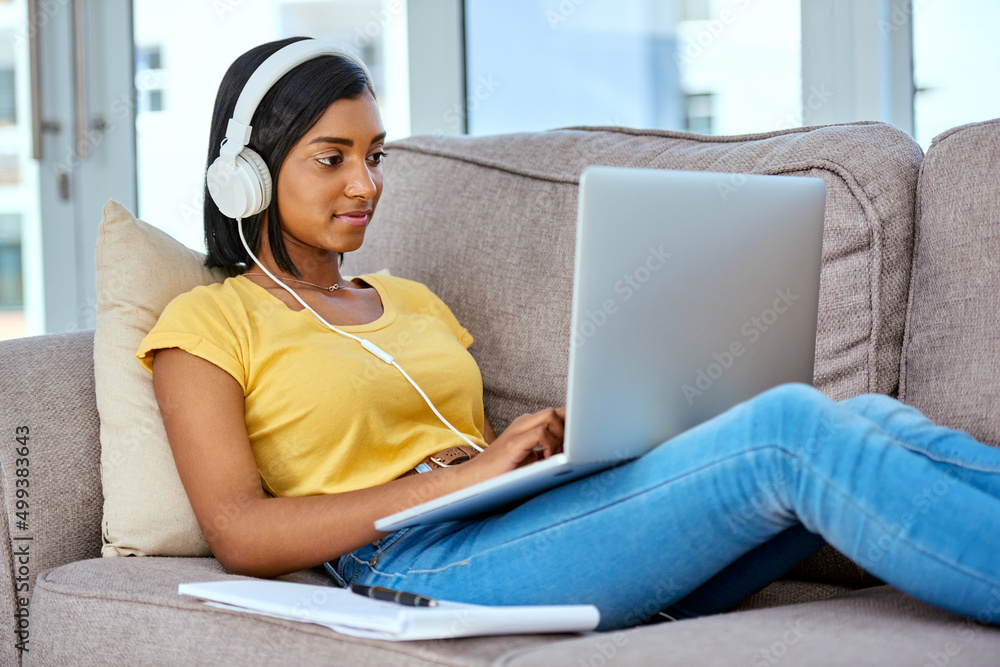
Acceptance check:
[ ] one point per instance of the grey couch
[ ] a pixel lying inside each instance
(910, 306)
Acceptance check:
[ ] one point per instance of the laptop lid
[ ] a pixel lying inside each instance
(693, 291)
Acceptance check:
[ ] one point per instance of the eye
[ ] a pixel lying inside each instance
(331, 160)
(377, 158)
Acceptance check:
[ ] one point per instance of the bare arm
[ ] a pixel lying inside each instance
(253, 534)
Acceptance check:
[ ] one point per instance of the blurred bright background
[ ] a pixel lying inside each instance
(479, 67)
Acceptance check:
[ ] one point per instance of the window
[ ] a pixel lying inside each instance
(147, 58)
(8, 101)
(708, 66)
(727, 66)
(11, 289)
(696, 10)
(698, 116)
(180, 56)
(18, 172)
(956, 64)
(149, 78)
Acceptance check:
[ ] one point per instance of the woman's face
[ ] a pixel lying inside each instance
(331, 180)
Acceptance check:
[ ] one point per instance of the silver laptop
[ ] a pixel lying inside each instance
(692, 292)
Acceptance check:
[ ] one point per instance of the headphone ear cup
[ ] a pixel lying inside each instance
(262, 179)
(243, 191)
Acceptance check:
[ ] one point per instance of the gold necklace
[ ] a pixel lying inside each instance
(331, 288)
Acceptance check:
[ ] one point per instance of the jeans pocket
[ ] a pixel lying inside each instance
(347, 569)
(331, 568)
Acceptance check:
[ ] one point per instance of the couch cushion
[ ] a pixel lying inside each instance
(951, 354)
(877, 626)
(489, 224)
(77, 607)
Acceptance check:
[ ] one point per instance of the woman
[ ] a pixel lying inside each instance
(292, 440)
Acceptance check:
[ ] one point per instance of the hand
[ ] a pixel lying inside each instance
(529, 438)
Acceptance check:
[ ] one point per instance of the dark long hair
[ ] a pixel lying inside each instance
(289, 109)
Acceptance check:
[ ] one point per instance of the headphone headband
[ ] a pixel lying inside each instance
(278, 64)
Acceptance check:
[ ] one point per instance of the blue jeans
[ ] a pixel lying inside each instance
(723, 509)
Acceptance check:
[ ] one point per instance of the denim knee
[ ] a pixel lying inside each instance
(795, 414)
(788, 400)
(874, 404)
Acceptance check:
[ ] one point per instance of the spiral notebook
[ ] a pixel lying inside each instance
(351, 614)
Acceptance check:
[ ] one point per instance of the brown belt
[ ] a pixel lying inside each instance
(446, 458)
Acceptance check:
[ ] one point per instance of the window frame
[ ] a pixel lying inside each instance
(872, 77)
(85, 68)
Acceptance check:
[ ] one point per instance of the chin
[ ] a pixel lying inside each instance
(351, 246)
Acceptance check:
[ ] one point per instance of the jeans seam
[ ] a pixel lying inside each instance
(949, 460)
(386, 546)
(875, 519)
(402, 575)
(412, 572)
(366, 563)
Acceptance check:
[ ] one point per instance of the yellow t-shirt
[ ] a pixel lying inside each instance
(323, 414)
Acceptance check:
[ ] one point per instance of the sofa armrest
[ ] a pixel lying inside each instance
(47, 394)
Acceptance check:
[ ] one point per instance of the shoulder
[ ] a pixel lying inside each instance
(228, 302)
(216, 296)
(211, 322)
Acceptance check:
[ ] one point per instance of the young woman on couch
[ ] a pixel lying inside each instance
(291, 440)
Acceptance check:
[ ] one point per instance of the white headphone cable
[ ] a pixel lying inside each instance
(367, 344)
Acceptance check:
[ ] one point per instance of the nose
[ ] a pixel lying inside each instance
(361, 183)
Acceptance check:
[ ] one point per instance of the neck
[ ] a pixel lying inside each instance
(321, 269)
(323, 276)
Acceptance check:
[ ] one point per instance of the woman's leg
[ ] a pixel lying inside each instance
(641, 536)
(955, 451)
(750, 573)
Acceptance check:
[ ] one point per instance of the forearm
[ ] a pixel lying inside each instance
(274, 536)
(267, 537)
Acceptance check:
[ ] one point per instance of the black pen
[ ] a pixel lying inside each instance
(389, 595)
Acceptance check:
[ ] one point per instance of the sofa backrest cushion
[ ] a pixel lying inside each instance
(489, 223)
(951, 355)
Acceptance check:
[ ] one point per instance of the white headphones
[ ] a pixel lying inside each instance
(238, 180)
(240, 184)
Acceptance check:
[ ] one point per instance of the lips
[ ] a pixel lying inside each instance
(355, 218)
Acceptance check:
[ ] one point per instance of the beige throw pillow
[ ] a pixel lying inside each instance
(140, 269)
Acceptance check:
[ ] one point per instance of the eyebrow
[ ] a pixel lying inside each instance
(342, 141)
